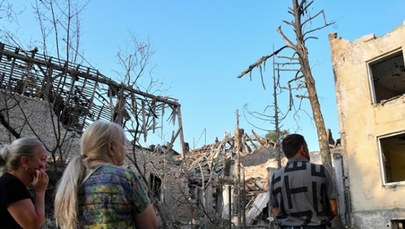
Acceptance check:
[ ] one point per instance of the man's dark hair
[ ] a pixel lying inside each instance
(291, 144)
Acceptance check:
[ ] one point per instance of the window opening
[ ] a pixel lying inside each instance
(393, 158)
(388, 77)
(155, 186)
(398, 224)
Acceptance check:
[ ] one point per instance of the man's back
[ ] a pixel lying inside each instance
(301, 190)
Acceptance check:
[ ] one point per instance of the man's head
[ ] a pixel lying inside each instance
(295, 145)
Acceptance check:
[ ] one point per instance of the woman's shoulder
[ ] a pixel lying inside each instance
(7, 179)
(117, 170)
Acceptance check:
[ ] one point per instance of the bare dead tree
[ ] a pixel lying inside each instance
(134, 60)
(64, 84)
(9, 14)
(302, 19)
(278, 116)
(6, 10)
(60, 26)
(135, 71)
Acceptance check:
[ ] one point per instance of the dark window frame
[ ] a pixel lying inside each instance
(385, 76)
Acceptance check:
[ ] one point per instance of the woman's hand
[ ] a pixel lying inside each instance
(40, 181)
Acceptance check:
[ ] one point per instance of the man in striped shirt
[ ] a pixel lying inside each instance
(303, 195)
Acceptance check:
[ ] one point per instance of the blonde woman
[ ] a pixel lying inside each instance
(23, 163)
(96, 192)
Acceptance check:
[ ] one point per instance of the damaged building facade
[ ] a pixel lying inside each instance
(230, 188)
(55, 100)
(219, 186)
(222, 185)
(370, 89)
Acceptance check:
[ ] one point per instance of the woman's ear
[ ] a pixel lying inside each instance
(111, 149)
(24, 162)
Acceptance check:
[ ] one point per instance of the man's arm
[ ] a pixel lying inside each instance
(332, 193)
(333, 208)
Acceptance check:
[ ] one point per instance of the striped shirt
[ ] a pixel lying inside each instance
(302, 190)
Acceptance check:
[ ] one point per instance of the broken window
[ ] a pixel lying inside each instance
(392, 150)
(155, 186)
(217, 198)
(387, 77)
(398, 224)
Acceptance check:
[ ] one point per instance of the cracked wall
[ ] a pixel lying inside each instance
(364, 121)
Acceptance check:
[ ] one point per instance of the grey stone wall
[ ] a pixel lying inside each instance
(377, 219)
(34, 117)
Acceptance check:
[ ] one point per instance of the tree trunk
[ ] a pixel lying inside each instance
(302, 51)
(319, 121)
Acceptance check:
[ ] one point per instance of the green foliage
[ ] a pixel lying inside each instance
(271, 135)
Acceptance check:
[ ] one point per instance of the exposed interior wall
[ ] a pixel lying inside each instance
(365, 120)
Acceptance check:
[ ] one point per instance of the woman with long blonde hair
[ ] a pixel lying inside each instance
(95, 191)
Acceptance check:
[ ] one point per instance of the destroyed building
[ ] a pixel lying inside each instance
(222, 184)
(55, 100)
(231, 188)
(370, 89)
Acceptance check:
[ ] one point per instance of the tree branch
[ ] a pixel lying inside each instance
(260, 62)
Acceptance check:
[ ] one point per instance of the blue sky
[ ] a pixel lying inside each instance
(200, 47)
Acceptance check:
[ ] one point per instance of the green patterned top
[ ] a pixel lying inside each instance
(111, 197)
